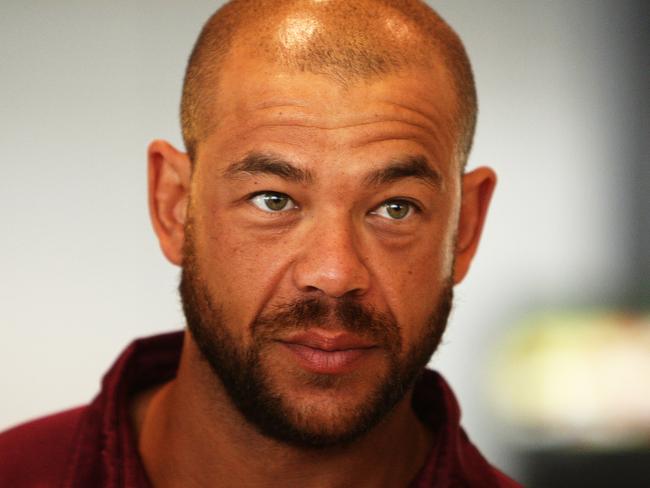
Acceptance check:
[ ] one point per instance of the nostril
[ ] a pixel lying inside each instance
(353, 294)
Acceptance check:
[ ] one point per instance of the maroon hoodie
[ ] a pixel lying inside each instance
(93, 446)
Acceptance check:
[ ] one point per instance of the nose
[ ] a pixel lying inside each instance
(331, 261)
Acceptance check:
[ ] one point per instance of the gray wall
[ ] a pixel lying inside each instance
(85, 85)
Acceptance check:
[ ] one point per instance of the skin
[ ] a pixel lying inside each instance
(338, 240)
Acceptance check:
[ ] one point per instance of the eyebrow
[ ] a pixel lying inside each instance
(268, 164)
(410, 167)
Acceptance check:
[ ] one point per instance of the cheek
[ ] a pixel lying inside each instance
(240, 269)
(411, 282)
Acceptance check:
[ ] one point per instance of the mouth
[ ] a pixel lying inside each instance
(327, 352)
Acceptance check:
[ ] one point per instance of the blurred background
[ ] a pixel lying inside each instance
(548, 347)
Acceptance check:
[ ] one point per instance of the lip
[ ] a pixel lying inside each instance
(328, 340)
(327, 352)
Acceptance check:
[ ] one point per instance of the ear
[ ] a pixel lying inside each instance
(169, 175)
(478, 186)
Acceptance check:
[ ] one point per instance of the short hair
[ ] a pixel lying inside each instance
(348, 48)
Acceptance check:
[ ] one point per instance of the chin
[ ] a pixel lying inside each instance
(325, 411)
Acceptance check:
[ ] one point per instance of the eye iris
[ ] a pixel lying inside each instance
(275, 201)
(397, 210)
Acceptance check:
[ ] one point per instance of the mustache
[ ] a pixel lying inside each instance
(346, 314)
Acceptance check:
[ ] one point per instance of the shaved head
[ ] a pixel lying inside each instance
(346, 41)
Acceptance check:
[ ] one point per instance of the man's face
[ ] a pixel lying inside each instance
(320, 245)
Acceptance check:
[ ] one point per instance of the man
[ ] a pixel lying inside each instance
(321, 216)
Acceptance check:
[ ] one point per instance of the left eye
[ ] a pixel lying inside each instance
(273, 202)
(394, 209)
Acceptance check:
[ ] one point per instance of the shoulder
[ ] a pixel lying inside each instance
(505, 481)
(36, 453)
(455, 459)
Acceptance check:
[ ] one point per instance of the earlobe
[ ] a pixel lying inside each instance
(169, 175)
(478, 187)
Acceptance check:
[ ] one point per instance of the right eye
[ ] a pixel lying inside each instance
(273, 202)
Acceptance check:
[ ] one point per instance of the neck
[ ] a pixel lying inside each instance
(189, 435)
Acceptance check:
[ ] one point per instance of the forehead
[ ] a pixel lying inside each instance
(259, 101)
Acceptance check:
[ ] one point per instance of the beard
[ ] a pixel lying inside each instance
(246, 378)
